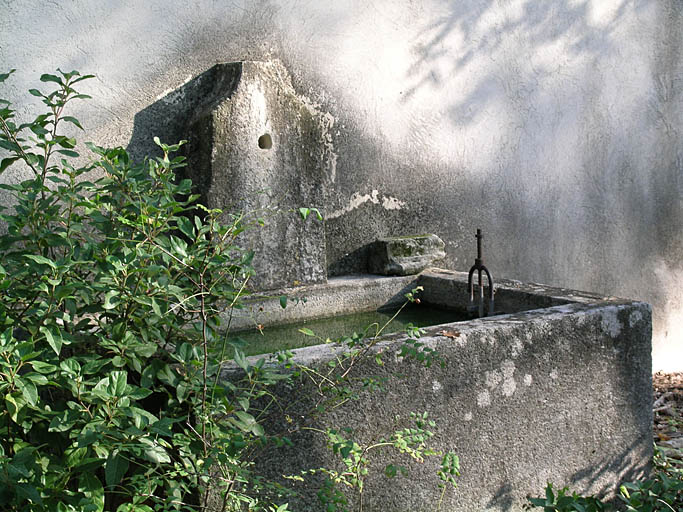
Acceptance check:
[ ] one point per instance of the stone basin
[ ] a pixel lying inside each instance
(556, 388)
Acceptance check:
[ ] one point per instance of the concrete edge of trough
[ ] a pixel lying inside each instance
(571, 304)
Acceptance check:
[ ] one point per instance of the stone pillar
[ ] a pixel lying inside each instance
(259, 147)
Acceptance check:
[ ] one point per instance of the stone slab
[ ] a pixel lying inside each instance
(405, 255)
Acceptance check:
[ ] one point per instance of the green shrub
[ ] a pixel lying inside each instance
(561, 501)
(662, 492)
(110, 294)
(111, 344)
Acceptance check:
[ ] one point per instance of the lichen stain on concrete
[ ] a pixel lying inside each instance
(392, 203)
(468, 416)
(610, 321)
(493, 378)
(388, 203)
(517, 347)
(509, 384)
(503, 378)
(326, 123)
(634, 318)
(509, 387)
(436, 386)
(553, 373)
(484, 399)
(528, 379)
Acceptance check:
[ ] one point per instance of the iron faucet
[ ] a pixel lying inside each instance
(479, 267)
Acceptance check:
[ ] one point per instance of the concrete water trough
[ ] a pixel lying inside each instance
(556, 388)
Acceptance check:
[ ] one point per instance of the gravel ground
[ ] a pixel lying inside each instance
(668, 415)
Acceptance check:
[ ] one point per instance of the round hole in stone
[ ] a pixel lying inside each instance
(265, 141)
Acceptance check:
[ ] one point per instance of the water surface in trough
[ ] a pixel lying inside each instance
(287, 336)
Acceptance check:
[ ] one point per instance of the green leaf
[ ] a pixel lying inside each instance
(74, 456)
(28, 389)
(257, 430)
(140, 393)
(115, 468)
(65, 142)
(50, 78)
(187, 353)
(390, 470)
(68, 152)
(14, 403)
(155, 453)
(132, 507)
(247, 423)
(73, 121)
(54, 337)
(182, 391)
(241, 360)
(283, 301)
(118, 381)
(549, 494)
(63, 421)
(155, 307)
(6, 162)
(304, 212)
(91, 487)
(10, 146)
(87, 437)
(5, 76)
(36, 92)
(185, 226)
(110, 299)
(38, 130)
(71, 366)
(163, 427)
(41, 260)
(178, 246)
(94, 366)
(141, 418)
(101, 389)
(81, 77)
(6, 336)
(36, 378)
(244, 403)
(167, 375)
(29, 492)
(306, 331)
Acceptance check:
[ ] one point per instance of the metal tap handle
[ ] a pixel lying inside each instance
(479, 237)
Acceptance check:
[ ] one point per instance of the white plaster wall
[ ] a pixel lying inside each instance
(554, 126)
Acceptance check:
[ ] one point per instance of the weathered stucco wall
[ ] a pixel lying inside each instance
(554, 126)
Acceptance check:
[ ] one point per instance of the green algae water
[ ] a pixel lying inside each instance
(288, 336)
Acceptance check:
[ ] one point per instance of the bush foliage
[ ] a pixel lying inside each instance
(111, 344)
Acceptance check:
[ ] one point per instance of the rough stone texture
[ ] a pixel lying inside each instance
(360, 293)
(560, 394)
(257, 147)
(405, 255)
(341, 295)
(553, 126)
